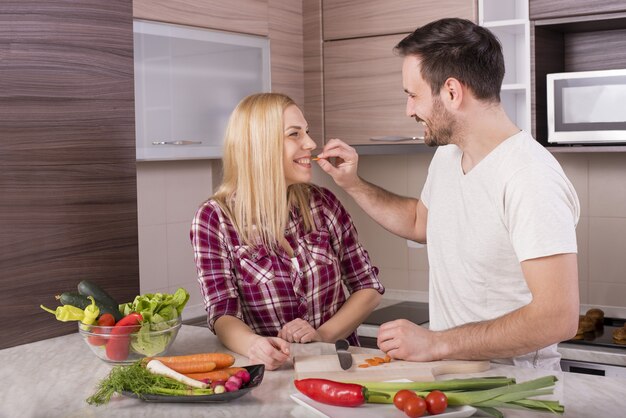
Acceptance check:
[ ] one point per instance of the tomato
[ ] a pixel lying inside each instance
(415, 407)
(436, 402)
(399, 400)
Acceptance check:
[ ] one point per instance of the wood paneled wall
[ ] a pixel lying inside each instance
(68, 207)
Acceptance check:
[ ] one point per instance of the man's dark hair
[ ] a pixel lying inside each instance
(460, 49)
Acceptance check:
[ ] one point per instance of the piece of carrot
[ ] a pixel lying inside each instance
(387, 359)
(364, 365)
(222, 374)
(197, 363)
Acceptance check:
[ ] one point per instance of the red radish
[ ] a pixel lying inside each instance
(244, 375)
(231, 386)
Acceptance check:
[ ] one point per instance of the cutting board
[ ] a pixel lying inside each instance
(327, 367)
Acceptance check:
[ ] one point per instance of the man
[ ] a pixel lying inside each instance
(497, 211)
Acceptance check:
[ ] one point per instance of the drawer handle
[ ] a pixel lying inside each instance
(395, 138)
(180, 142)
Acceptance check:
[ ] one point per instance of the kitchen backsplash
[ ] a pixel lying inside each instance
(169, 193)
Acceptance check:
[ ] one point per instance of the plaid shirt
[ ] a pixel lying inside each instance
(267, 289)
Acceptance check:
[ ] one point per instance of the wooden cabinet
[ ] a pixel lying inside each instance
(245, 16)
(363, 90)
(547, 9)
(350, 19)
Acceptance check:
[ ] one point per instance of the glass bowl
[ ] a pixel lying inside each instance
(127, 344)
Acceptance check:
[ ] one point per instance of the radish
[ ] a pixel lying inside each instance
(156, 367)
(244, 375)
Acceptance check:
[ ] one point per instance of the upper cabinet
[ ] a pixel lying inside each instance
(187, 82)
(351, 19)
(548, 9)
(363, 92)
(243, 16)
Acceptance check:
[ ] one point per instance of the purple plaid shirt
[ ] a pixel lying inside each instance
(267, 289)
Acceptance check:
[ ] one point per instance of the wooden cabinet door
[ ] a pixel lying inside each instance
(363, 91)
(244, 16)
(349, 18)
(547, 9)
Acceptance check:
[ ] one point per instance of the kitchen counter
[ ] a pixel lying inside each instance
(52, 378)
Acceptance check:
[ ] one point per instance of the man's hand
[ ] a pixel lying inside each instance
(270, 351)
(344, 172)
(299, 331)
(404, 340)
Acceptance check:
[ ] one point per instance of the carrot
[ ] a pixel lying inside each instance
(196, 363)
(222, 374)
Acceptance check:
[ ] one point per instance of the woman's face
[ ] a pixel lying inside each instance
(297, 147)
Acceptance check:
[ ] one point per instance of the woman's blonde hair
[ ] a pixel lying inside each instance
(253, 192)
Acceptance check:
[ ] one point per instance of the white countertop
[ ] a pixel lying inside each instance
(52, 378)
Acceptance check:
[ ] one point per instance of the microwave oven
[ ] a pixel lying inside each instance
(587, 107)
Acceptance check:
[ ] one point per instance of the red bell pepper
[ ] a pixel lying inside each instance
(118, 346)
(335, 393)
(105, 320)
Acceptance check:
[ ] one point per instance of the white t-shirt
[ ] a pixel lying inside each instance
(514, 205)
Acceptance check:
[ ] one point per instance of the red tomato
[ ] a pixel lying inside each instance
(436, 402)
(399, 400)
(415, 407)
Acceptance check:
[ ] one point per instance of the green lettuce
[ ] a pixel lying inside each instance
(156, 309)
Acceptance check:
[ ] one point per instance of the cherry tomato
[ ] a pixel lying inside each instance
(399, 400)
(436, 402)
(415, 407)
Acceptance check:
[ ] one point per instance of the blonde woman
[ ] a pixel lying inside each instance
(273, 251)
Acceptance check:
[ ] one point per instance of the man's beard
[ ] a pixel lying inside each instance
(442, 126)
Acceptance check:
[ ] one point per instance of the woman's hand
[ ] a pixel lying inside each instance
(271, 351)
(299, 331)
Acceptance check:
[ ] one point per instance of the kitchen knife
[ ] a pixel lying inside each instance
(345, 357)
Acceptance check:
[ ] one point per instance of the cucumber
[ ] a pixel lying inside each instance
(87, 288)
(80, 301)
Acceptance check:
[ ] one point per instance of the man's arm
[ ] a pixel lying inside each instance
(402, 216)
(551, 317)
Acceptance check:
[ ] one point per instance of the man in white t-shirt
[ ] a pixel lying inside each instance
(497, 211)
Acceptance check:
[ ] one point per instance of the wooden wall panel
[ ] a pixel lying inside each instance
(285, 32)
(245, 16)
(349, 19)
(68, 210)
(313, 70)
(363, 93)
(547, 9)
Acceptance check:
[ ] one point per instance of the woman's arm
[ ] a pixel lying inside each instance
(238, 337)
(358, 306)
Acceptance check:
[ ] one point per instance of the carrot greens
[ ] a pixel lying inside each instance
(138, 380)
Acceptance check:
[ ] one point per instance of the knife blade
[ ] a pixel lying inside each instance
(345, 357)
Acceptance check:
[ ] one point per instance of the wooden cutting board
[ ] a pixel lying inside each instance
(327, 367)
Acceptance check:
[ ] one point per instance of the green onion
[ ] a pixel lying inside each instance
(471, 392)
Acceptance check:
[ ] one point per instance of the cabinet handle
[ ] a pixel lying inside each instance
(394, 138)
(183, 142)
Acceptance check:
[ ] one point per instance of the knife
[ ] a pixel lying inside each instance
(345, 358)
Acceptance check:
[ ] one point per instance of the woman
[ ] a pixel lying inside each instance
(273, 252)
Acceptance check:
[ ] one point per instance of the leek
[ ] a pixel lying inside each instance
(472, 392)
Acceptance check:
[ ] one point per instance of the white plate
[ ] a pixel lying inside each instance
(371, 410)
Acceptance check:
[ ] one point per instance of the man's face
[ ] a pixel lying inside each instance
(439, 123)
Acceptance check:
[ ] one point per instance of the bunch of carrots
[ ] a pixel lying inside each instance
(202, 366)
